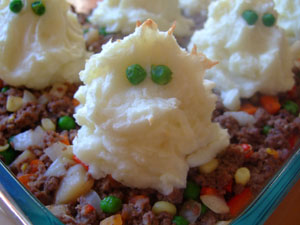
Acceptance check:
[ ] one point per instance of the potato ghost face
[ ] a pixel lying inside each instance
(253, 53)
(41, 43)
(146, 135)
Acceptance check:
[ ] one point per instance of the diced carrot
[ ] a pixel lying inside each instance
(24, 179)
(64, 139)
(293, 92)
(248, 108)
(228, 187)
(88, 209)
(208, 191)
(136, 198)
(270, 103)
(112, 220)
(247, 149)
(293, 140)
(86, 167)
(273, 152)
(75, 102)
(34, 165)
(240, 201)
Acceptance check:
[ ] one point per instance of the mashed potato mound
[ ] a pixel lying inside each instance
(123, 15)
(252, 58)
(193, 7)
(146, 135)
(289, 18)
(37, 51)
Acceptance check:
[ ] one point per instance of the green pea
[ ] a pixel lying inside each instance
(38, 8)
(266, 129)
(66, 123)
(192, 191)
(102, 31)
(161, 74)
(111, 204)
(9, 155)
(180, 220)
(4, 89)
(85, 31)
(268, 19)
(203, 209)
(250, 16)
(135, 74)
(292, 107)
(16, 6)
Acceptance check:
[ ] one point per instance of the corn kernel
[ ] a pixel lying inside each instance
(13, 103)
(24, 167)
(242, 175)
(223, 222)
(28, 97)
(209, 167)
(4, 147)
(163, 206)
(112, 220)
(11, 118)
(272, 152)
(48, 125)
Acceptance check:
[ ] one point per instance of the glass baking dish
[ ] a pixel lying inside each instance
(19, 202)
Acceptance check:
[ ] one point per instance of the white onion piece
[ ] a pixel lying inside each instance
(58, 210)
(58, 90)
(243, 118)
(28, 97)
(191, 210)
(55, 151)
(223, 222)
(43, 99)
(24, 140)
(58, 167)
(25, 156)
(94, 200)
(215, 203)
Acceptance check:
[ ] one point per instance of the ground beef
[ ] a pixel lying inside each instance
(229, 123)
(175, 197)
(84, 216)
(261, 117)
(24, 118)
(229, 162)
(61, 107)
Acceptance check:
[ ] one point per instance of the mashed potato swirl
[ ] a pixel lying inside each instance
(146, 135)
(289, 18)
(192, 7)
(37, 51)
(123, 15)
(252, 58)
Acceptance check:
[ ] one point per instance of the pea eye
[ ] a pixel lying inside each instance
(250, 16)
(38, 8)
(135, 74)
(268, 19)
(16, 6)
(161, 74)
